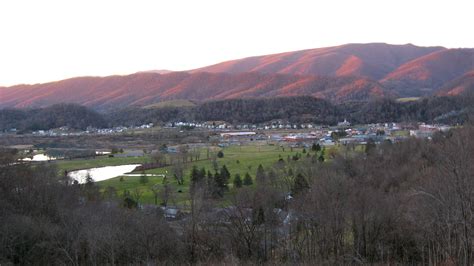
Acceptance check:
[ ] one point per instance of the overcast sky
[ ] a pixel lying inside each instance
(56, 39)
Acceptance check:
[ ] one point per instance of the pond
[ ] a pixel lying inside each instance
(39, 158)
(102, 173)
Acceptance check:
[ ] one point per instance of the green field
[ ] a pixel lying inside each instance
(98, 161)
(408, 99)
(238, 159)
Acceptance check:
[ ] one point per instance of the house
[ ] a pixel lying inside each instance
(172, 149)
(238, 134)
(345, 141)
(171, 212)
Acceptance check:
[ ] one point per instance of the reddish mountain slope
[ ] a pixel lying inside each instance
(464, 84)
(341, 73)
(148, 88)
(430, 72)
(373, 60)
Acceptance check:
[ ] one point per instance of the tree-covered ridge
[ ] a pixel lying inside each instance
(306, 109)
(69, 115)
(299, 109)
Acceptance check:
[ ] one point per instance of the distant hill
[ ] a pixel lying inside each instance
(159, 71)
(373, 60)
(351, 72)
(429, 73)
(147, 89)
(462, 85)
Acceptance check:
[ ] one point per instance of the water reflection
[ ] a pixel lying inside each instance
(102, 173)
(39, 158)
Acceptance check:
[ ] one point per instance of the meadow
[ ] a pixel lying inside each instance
(98, 161)
(238, 160)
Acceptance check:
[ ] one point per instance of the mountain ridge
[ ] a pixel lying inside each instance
(341, 73)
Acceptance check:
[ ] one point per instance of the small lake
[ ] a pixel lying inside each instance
(39, 158)
(102, 173)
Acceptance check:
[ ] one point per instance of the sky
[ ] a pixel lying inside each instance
(49, 40)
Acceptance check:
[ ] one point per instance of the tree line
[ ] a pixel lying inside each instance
(70, 115)
(303, 109)
(299, 109)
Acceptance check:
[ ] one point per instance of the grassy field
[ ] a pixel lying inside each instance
(238, 159)
(408, 99)
(401, 133)
(98, 161)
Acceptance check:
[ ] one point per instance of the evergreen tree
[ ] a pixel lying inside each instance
(196, 179)
(260, 176)
(271, 176)
(128, 201)
(258, 216)
(370, 146)
(321, 158)
(225, 175)
(247, 180)
(202, 174)
(195, 175)
(221, 180)
(237, 181)
(300, 185)
(218, 186)
(316, 147)
(143, 178)
(91, 190)
(210, 184)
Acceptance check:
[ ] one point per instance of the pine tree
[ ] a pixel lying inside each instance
(258, 216)
(143, 178)
(196, 179)
(247, 180)
(219, 187)
(300, 186)
(225, 175)
(321, 158)
(260, 176)
(194, 175)
(237, 181)
(202, 174)
(316, 147)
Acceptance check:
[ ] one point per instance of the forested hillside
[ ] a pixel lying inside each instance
(59, 115)
(451, 110)
(306, 109)
(339, 74)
